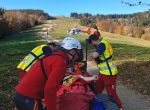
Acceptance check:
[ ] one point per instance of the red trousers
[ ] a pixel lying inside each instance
(21, 73)
(108, 82)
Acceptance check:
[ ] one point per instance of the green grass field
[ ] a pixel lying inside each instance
(132, 59)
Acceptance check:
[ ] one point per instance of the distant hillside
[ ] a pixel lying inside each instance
(134, 25)
(14, 21)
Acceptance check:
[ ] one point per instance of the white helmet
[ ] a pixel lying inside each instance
(70, 43)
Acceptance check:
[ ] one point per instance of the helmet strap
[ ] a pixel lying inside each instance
(71, 56)
(68, 52)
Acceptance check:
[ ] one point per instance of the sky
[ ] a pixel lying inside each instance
(65, 7)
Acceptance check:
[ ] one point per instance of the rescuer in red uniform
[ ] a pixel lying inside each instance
(45, 76)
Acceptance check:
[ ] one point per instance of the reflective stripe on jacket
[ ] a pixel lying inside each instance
(107, 67)
(31, 58)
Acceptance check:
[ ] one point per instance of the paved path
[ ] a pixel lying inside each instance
(131, 99)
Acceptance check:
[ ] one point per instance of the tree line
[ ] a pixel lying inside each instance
(133, 25)
(14, 21)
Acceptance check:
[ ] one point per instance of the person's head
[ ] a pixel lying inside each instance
(97, 33)
(93, 39)
(53, 46)
(72, 47)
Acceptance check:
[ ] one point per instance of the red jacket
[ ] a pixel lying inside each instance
(34, 85)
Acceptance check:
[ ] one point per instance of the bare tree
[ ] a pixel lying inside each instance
(135, 2)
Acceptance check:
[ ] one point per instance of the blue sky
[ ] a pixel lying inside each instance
(65, 7)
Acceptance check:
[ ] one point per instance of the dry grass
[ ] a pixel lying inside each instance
(116, 38)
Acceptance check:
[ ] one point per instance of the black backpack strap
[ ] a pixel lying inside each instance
(42, 66)
(107, 64)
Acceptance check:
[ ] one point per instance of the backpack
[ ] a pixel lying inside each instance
(73, 94)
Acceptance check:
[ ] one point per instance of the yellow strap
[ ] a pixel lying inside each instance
(36, 49)
(24, 62)
(29, 57)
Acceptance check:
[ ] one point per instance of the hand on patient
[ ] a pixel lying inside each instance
(88, 79)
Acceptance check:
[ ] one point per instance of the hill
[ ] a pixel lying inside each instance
(15, 21)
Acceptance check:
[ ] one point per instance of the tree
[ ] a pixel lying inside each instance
(2, 11)
(137, 32)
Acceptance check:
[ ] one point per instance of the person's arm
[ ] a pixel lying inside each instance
(47, 50)
(89, 79)
(94, 55)
(99, 51)
(54, 79)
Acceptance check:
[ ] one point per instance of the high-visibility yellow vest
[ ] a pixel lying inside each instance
(31, 58)
(107, 67)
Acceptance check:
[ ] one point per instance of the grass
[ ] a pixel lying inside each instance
(62, 25)
(12, 51)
